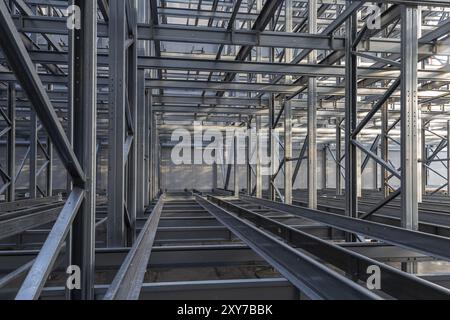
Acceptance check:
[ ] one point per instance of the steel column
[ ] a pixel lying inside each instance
(117, 78)
(33, 154)
(85, 145)
(140, 144)
(132, 92)
(338, 157)
(351, 167)
(324, 167)
(236, 165)
(385, 148)
(288, 116)
(409, 119)
(448, 158)
(11, 195)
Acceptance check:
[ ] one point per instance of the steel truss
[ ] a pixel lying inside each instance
(96, 104)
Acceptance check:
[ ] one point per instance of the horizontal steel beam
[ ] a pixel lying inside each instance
(353, 264)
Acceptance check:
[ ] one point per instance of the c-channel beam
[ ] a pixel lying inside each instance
(132, 92)
(236, 164)
(33, 155)
(409, 118)
(288, 114)
(338, 157)
(258, 170)
(428, 244)
(116, 173)
(37, 276)
(128, 281)
(84, 55)
(20, 62)
(312, 113)
(12, 142)
(311, 277)
(141, 133)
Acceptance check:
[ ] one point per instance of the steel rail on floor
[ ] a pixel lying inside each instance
(309, 276)
(428, 244)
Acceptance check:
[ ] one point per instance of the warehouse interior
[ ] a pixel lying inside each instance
(224, 149)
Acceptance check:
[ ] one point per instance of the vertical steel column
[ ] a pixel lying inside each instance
(236, 166)
(153, 155)
(288, 116)
(324, 167)
(132, 79)
(49, 178)
(312, 113)
(351, 168)
(424, 152)
(409, 44)
(140, 144)
(248, 158)
(33, 154)
(214, 174)
(358, 172)
(85, 143)
(385, 148)
(272, 142)
(448, 158)
(11, 195)
(148, 103)
(338, 158)
(117, 79)
(259, 182)
(258, 150)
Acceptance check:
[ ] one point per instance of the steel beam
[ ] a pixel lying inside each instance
(351, 94)
(338, 157)
(309, 276)
(428, 244)
(141, 132)
(409, 147)
(37, 276)
(312, 113)
(129, 279)
(11, 152)
(85, 142)
(20, 62)
(117, 105)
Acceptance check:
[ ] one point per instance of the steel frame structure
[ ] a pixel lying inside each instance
(95, 89)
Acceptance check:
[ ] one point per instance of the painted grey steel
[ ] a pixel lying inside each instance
(340, 256)
(422, 242)
(82, 234)
(20, 62)
(117, 131)
(309, 276)
(351, 165)
(409, 119)
(37, 276)
(128, 281)
(312, 113)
